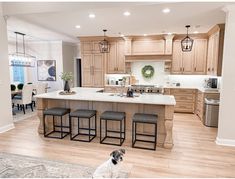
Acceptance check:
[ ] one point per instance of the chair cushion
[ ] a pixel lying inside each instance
(86, 113)
(19, 97)
(145, 118)
(56, 111)
(113, 115)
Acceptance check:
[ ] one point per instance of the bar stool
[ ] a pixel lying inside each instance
(144, 119)
(86, 114)
(56, 112)
(113, 116)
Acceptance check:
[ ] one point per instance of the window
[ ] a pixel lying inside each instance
(18, 74)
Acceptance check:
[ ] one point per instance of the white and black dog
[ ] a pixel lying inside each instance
(110, 168)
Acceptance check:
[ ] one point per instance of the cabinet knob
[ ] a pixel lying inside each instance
(208, 69)
(212, 69)
(195, 69)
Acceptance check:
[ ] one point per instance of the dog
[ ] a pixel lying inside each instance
(110, 168)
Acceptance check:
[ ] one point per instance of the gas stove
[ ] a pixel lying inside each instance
(151, 89)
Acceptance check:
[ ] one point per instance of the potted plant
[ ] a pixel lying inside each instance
(67, 76)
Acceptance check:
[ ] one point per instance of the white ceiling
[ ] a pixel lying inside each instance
(56, 21)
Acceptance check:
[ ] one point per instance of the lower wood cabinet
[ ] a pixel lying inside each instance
(185, 99)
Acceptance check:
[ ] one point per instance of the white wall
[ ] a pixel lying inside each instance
(69, 56)
(6, 120)
(226, 129)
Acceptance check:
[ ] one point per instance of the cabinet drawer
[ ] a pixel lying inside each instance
(188, 97)
(184, 107)
(182, 91)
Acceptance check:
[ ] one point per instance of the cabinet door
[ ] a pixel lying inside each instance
(214, 62)
(210, 54)
(187, 62)
(176, 58)
(96, 48)
(87, 47)
(120, 57)
(87, 61)
(200, 52)
(111, 60)
(98, 70)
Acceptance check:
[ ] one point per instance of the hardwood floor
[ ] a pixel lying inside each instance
(194, 154)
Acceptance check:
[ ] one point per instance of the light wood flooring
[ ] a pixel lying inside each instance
(194, 154)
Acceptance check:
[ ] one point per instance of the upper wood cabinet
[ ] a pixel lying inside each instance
(92, 64)
(193, 62)
(116, 58)
(90, 47)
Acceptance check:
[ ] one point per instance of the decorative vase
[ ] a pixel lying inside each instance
(66, 86)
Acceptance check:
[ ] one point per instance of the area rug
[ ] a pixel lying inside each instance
(19, 166)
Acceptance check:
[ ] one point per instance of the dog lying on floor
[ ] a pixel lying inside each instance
(110, 168)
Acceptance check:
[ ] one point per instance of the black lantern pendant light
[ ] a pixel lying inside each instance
(187, 42)
(104, 44)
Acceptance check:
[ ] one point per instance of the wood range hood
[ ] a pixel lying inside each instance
(151, 48)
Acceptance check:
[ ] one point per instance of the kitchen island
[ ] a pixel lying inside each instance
(95, 98)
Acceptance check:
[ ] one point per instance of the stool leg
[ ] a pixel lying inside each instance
(95, 126)
(89, 126)
(106, 127)
(61, 128)
(44, 125)
(120, 133)
(155, 137)
(78, 124)
(100, 130)
(125, 128)
(70, 127)
(53, 123)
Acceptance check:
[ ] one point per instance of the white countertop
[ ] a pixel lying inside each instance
(204, 90)
(91, 94)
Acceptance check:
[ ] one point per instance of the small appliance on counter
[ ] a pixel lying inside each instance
(211, 83)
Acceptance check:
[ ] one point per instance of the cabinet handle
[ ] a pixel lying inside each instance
(180, 69)
(195, 69)
(117, 68)
(208, 69)
(212, 69)
(183, 68)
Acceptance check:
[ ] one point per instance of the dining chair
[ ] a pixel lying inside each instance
(25, 98)
(40, 89)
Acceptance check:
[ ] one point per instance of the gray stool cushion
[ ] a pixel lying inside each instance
(113, 115)
(145, 118)
(83, 113)
(19, 97)
(56, 111)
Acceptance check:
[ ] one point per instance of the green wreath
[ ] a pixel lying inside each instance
(148, 71)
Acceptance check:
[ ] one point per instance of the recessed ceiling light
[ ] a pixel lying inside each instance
(78, 26)
(126, 13)
(166, 10)
(169, 33)
(195, 32)
(92, 16)
(122, 35)
(145, 35)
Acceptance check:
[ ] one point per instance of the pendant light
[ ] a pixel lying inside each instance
(21, 58)
(187, 42)
(104, 44)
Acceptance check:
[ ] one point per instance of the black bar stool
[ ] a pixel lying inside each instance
(56, 112)
(144, 119)
(86, 114)
(113, 116)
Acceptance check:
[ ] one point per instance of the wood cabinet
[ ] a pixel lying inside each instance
(185, 99)
(92, 65)
(200, 104)
(193, 62)
(116, 58)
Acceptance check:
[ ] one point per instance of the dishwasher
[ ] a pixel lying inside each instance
(211, 112)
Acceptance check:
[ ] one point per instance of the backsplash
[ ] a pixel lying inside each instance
(163, 78)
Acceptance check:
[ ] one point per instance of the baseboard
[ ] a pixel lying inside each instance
(6, 128)
(225, 142)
